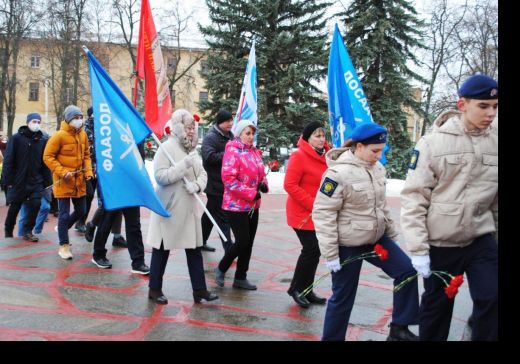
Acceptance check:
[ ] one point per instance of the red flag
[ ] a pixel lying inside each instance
(150, 68)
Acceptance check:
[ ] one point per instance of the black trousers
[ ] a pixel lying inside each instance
(134, 236)
(33, 200)
(244, 228)
(195, 268)
(99, 215)
(214, 206)
(479, 261)
(307, 261)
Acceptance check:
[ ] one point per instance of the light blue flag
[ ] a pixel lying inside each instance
(248, 98)
(348, 105)
(118, 128)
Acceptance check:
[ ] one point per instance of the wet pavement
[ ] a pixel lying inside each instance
(43, 297)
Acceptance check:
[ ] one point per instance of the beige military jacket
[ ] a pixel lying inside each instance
(450, 194)
(350, 208)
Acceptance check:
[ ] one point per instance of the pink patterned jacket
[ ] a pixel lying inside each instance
(242, 172)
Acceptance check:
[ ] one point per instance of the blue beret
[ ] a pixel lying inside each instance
(33, 116)
(369, 133)
(479, 87)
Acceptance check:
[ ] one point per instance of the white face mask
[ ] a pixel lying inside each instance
(76, 123)
(34, 127)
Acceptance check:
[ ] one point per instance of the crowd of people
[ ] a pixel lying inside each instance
(336, 204)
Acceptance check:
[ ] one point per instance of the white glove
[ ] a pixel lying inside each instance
(191, 159)
(334, 265)
(191, 187)
(421, 263)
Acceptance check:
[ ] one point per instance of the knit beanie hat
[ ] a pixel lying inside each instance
(90, 111)
(241, 125)
(309, 129)
(223, 115)
(33, 116)
(71, 112)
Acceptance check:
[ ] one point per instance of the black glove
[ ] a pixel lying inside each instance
(257, 196)
(262, 187)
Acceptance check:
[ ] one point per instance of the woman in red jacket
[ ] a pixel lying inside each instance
(302, 181)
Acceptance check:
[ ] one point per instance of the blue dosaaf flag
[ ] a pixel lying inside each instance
(118, 128)
(348, 105)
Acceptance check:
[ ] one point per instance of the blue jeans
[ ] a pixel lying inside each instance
(66, 219)
(40, 219)
(345, 284)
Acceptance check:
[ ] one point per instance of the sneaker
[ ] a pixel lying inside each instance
(141, 269)
(90, 229)
(30, 237)
(401, 333)
(65, 252)
(119, 242)
(102, 262)
(80, 228)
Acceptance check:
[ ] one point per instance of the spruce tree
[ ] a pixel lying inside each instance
(381, 37)
(290, 55)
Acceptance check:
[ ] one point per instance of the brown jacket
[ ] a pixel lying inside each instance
(450, 194)
(68, 151)
(355, 211)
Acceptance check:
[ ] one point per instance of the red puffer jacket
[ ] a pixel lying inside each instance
(302, 181)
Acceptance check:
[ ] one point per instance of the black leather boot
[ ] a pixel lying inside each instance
(243, 284)
(401, 333)
(157, 296)
(314, 298)
(204, 294)
(301, 301)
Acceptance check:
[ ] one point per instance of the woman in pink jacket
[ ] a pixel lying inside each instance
(244, 177)
(302, 181)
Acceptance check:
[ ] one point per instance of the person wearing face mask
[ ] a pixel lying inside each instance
(244, 178)
(67, 155)
(25, 175)
(351, 216)
(302, 180)
(183, 229)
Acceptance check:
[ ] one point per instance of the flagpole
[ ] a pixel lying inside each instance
(222, 236)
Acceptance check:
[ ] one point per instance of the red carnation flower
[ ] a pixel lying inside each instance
(381, 252)
(196, 117)
(451, 290)
(149, 145)
(457, 280)
(167, 130)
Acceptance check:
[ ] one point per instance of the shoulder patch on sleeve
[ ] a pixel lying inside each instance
(328, 186)
(414, 159)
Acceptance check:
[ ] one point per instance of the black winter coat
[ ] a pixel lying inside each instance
(23, 167)
(213, 147)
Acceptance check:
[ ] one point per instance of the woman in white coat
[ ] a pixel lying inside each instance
(183, 229)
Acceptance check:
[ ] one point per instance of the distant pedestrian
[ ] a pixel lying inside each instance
(302, 181)
(213, 147)
(183, 229)
(351, 216)
(244, 178)
(68, 157)
(449, 213)
(25, 176)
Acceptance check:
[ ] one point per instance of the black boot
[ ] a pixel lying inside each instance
(314, 298)
(204, 294)
(207, 248)
(301, 301)
(89, 231)
(243, 284)
(30, 237)
(157, 296)
(401, 333)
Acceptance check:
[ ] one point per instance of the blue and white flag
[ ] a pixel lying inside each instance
(248, 98)
(118, 128)
(348, 105)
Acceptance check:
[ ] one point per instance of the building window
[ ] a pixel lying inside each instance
(34, 91)
(35, 61)
(67, 95)
(172, 63)
(3, 55)
(204, 68)
(203, 96)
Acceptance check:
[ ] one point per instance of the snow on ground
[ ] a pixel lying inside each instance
(275, 181)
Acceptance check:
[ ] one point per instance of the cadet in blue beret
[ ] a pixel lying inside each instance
(369, 133)
(449, 211)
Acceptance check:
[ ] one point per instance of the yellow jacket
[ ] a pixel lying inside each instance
(68, 151)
